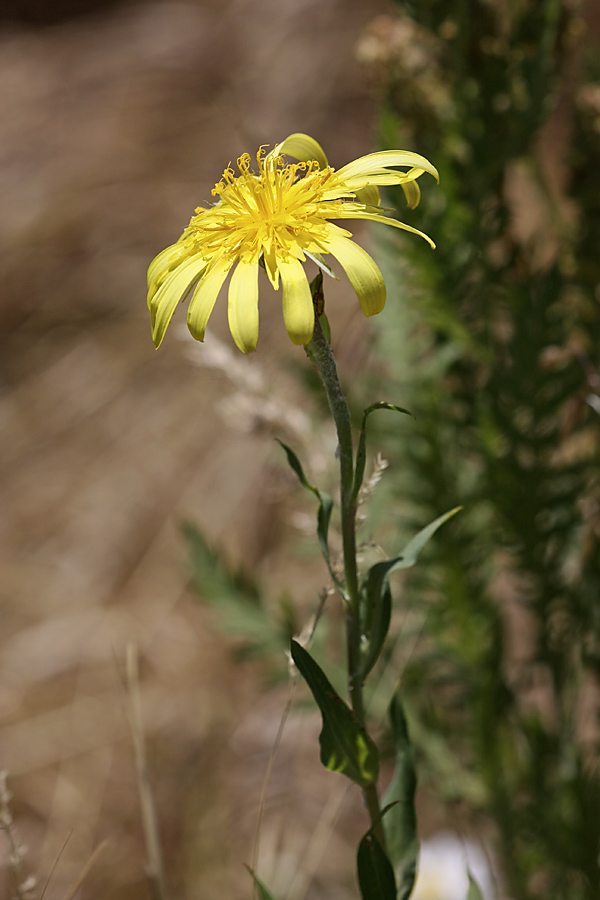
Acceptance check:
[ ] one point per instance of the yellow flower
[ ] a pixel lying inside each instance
(278, 216)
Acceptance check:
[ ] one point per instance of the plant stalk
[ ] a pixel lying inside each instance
(320, 353)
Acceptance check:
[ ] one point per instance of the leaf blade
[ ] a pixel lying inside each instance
(377, 596)
(400, 823)
(378, 614)
(375, 872)
(345, 745)
(323, 513)
(412, 550)
(361, 451)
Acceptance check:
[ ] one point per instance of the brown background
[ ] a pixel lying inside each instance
(113, 127)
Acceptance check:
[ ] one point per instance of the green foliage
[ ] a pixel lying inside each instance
(345, 745)
(324, 511)
(375, 873)
(242, 612)
(361, 452)
(400, 821)
(496, 350)
(376, 603)
(376, 595)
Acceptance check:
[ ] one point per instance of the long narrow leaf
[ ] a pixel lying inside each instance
(377, 606)
(410, 554)
(376, 592)
(361, 451)
(400, 823)
(325, 507)
(345, 745)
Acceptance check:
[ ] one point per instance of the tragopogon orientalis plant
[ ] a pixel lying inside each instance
(278, 216)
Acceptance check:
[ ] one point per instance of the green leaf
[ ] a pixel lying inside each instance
(376, 595)
(376, 602)
(263, 892)
(412, 551)
(400, 823)
(324, 511)
(361, 452)
(345, 745)
(474, 890)
(376, 592)
(240, 610)
(212, 575)
(375, 872)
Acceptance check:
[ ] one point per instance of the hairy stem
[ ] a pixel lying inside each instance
(320, 354)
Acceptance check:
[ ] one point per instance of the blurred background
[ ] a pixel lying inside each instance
(117, 118)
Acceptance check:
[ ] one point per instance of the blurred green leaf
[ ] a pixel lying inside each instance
(345, 745)
(375, 872)
(241, 610)
(400, 823)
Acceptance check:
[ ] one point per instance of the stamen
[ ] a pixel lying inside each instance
(244, 163)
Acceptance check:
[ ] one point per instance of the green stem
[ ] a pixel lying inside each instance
(320, 354)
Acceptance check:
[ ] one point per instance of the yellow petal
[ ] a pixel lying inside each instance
(204, 298)
(270, 261)
(177, 281)
(382, 160)
(164, 302)
(377, 217)
(363, 273)
(243, 306)
(301, 147)
(369, 195)
(364, 186)
(160, 265)
(412, 192)
(298, 310)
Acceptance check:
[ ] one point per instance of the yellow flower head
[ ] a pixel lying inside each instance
(278, 216)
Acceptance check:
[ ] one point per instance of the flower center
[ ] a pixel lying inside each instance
(279, 210)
